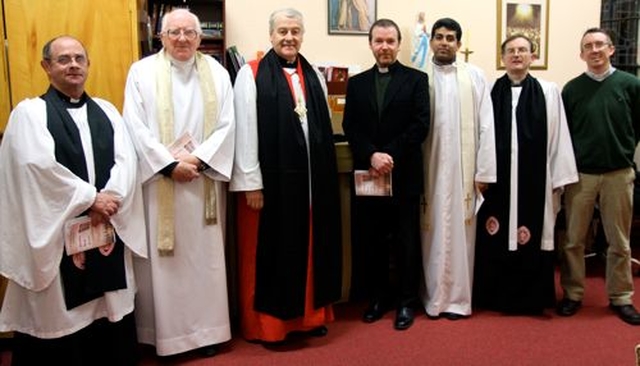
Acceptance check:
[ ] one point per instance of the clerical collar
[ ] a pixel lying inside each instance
(437, 63)
(444, 67)
(386, 70)
(601, 77)
(71, 102)
(182, 64)
(288, 64)
(516, 83)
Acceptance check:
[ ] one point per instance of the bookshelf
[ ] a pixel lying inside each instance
(211, 14)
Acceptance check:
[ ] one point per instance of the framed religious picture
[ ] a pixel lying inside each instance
(351, 16)
(528, 17)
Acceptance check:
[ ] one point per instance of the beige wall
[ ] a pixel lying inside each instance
(247, 28)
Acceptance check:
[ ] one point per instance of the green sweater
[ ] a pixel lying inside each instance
(604, 121)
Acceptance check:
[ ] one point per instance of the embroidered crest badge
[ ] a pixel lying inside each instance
(492, 225)
(524, 235)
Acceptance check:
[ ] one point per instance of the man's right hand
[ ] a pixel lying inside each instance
(105, 205)
(255, 199)
(185, 172)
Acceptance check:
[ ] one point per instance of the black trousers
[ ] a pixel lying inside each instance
(101, 343)
(386, 249)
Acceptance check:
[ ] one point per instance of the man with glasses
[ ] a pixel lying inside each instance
(66, 158)
(515, 261)
(603, 112)
(179, 109)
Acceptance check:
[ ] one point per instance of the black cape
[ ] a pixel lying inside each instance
(283, 232)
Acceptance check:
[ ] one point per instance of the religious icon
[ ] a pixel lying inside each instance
(420, 42)
(351, 16)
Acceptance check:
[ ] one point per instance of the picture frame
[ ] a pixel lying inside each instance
(528, 17)
(351, 17)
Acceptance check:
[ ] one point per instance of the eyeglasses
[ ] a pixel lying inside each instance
(189, 34)
(516, 51)
(595, 46)
(65, 60)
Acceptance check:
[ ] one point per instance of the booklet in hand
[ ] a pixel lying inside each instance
(368, 185)
(80, 235)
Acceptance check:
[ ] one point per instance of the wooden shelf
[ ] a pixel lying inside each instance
(212, 19)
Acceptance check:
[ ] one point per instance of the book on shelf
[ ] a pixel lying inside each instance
(366, 184)
(234, 62)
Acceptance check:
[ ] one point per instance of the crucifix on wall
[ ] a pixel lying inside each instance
(466, 52)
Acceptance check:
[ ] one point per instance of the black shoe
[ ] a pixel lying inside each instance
(320, 331)
(374, 312)
(208, 351)
(404, 318)
(452, 316)
(568, 307)
(627, 313)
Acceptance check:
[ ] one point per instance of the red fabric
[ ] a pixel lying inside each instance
(261, 326)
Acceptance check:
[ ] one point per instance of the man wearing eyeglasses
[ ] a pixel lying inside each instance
(603, 111)
(179, 109)
(515, 258)
(65, 158)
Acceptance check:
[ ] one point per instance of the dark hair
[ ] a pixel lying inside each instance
(385, 23)
(448, 23)
(597, 30)
(532, 46)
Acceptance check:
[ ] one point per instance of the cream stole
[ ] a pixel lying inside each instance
(166, 234)
(468, 137)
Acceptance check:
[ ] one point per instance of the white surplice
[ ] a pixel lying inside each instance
(182, 302)
(37, 196)
(447, 240)
(561, 164)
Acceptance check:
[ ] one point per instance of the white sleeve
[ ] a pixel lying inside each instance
(246, 170)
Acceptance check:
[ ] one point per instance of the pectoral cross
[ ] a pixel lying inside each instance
(468, 201)
(424, 205)
(466, 53)
(301, 109)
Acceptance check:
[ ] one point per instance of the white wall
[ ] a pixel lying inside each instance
(247, 28)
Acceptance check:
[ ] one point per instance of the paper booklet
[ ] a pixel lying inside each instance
(80, 235)
(368, 185)
(184, 144)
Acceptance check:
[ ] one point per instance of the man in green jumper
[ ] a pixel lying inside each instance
(603, 112)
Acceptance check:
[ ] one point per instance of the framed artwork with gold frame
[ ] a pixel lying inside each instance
(528, 17)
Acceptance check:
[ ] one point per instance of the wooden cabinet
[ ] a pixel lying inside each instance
(211, 14)
(108, 29)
